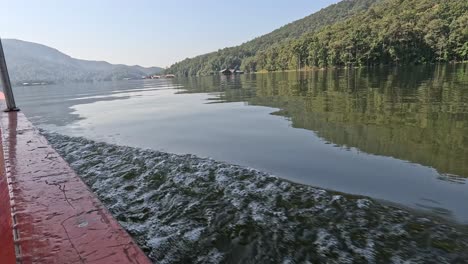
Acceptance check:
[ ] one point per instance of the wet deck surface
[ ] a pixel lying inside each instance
(48, 215)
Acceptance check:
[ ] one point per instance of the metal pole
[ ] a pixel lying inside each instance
(10, 99)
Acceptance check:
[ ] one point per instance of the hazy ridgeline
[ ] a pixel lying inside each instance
(32, 62)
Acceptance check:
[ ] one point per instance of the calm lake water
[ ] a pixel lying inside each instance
(399, 135)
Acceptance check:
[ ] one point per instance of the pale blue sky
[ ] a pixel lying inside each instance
(144, 32)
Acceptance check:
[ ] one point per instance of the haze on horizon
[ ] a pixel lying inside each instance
(144, 32)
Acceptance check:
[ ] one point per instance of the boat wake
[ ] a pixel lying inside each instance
(186, 209)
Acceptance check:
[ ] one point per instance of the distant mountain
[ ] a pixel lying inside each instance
(32, 62)
(243, 54)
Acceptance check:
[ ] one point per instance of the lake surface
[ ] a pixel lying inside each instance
(399, 135)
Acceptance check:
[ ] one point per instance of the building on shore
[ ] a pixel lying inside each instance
(230, 71)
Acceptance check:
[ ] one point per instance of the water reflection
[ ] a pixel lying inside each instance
(53, 104)
(395, 134)
(419, 114)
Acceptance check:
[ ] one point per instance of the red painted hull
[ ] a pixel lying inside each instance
(53, 214)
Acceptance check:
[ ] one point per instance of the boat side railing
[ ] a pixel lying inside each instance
(9, 97)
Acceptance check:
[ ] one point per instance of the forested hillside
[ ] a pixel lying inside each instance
(386, 32)
(242, 55)
(392, 32)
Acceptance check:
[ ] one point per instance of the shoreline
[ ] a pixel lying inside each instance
(321, 69)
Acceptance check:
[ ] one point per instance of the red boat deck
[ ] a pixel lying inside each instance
(47, 213)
